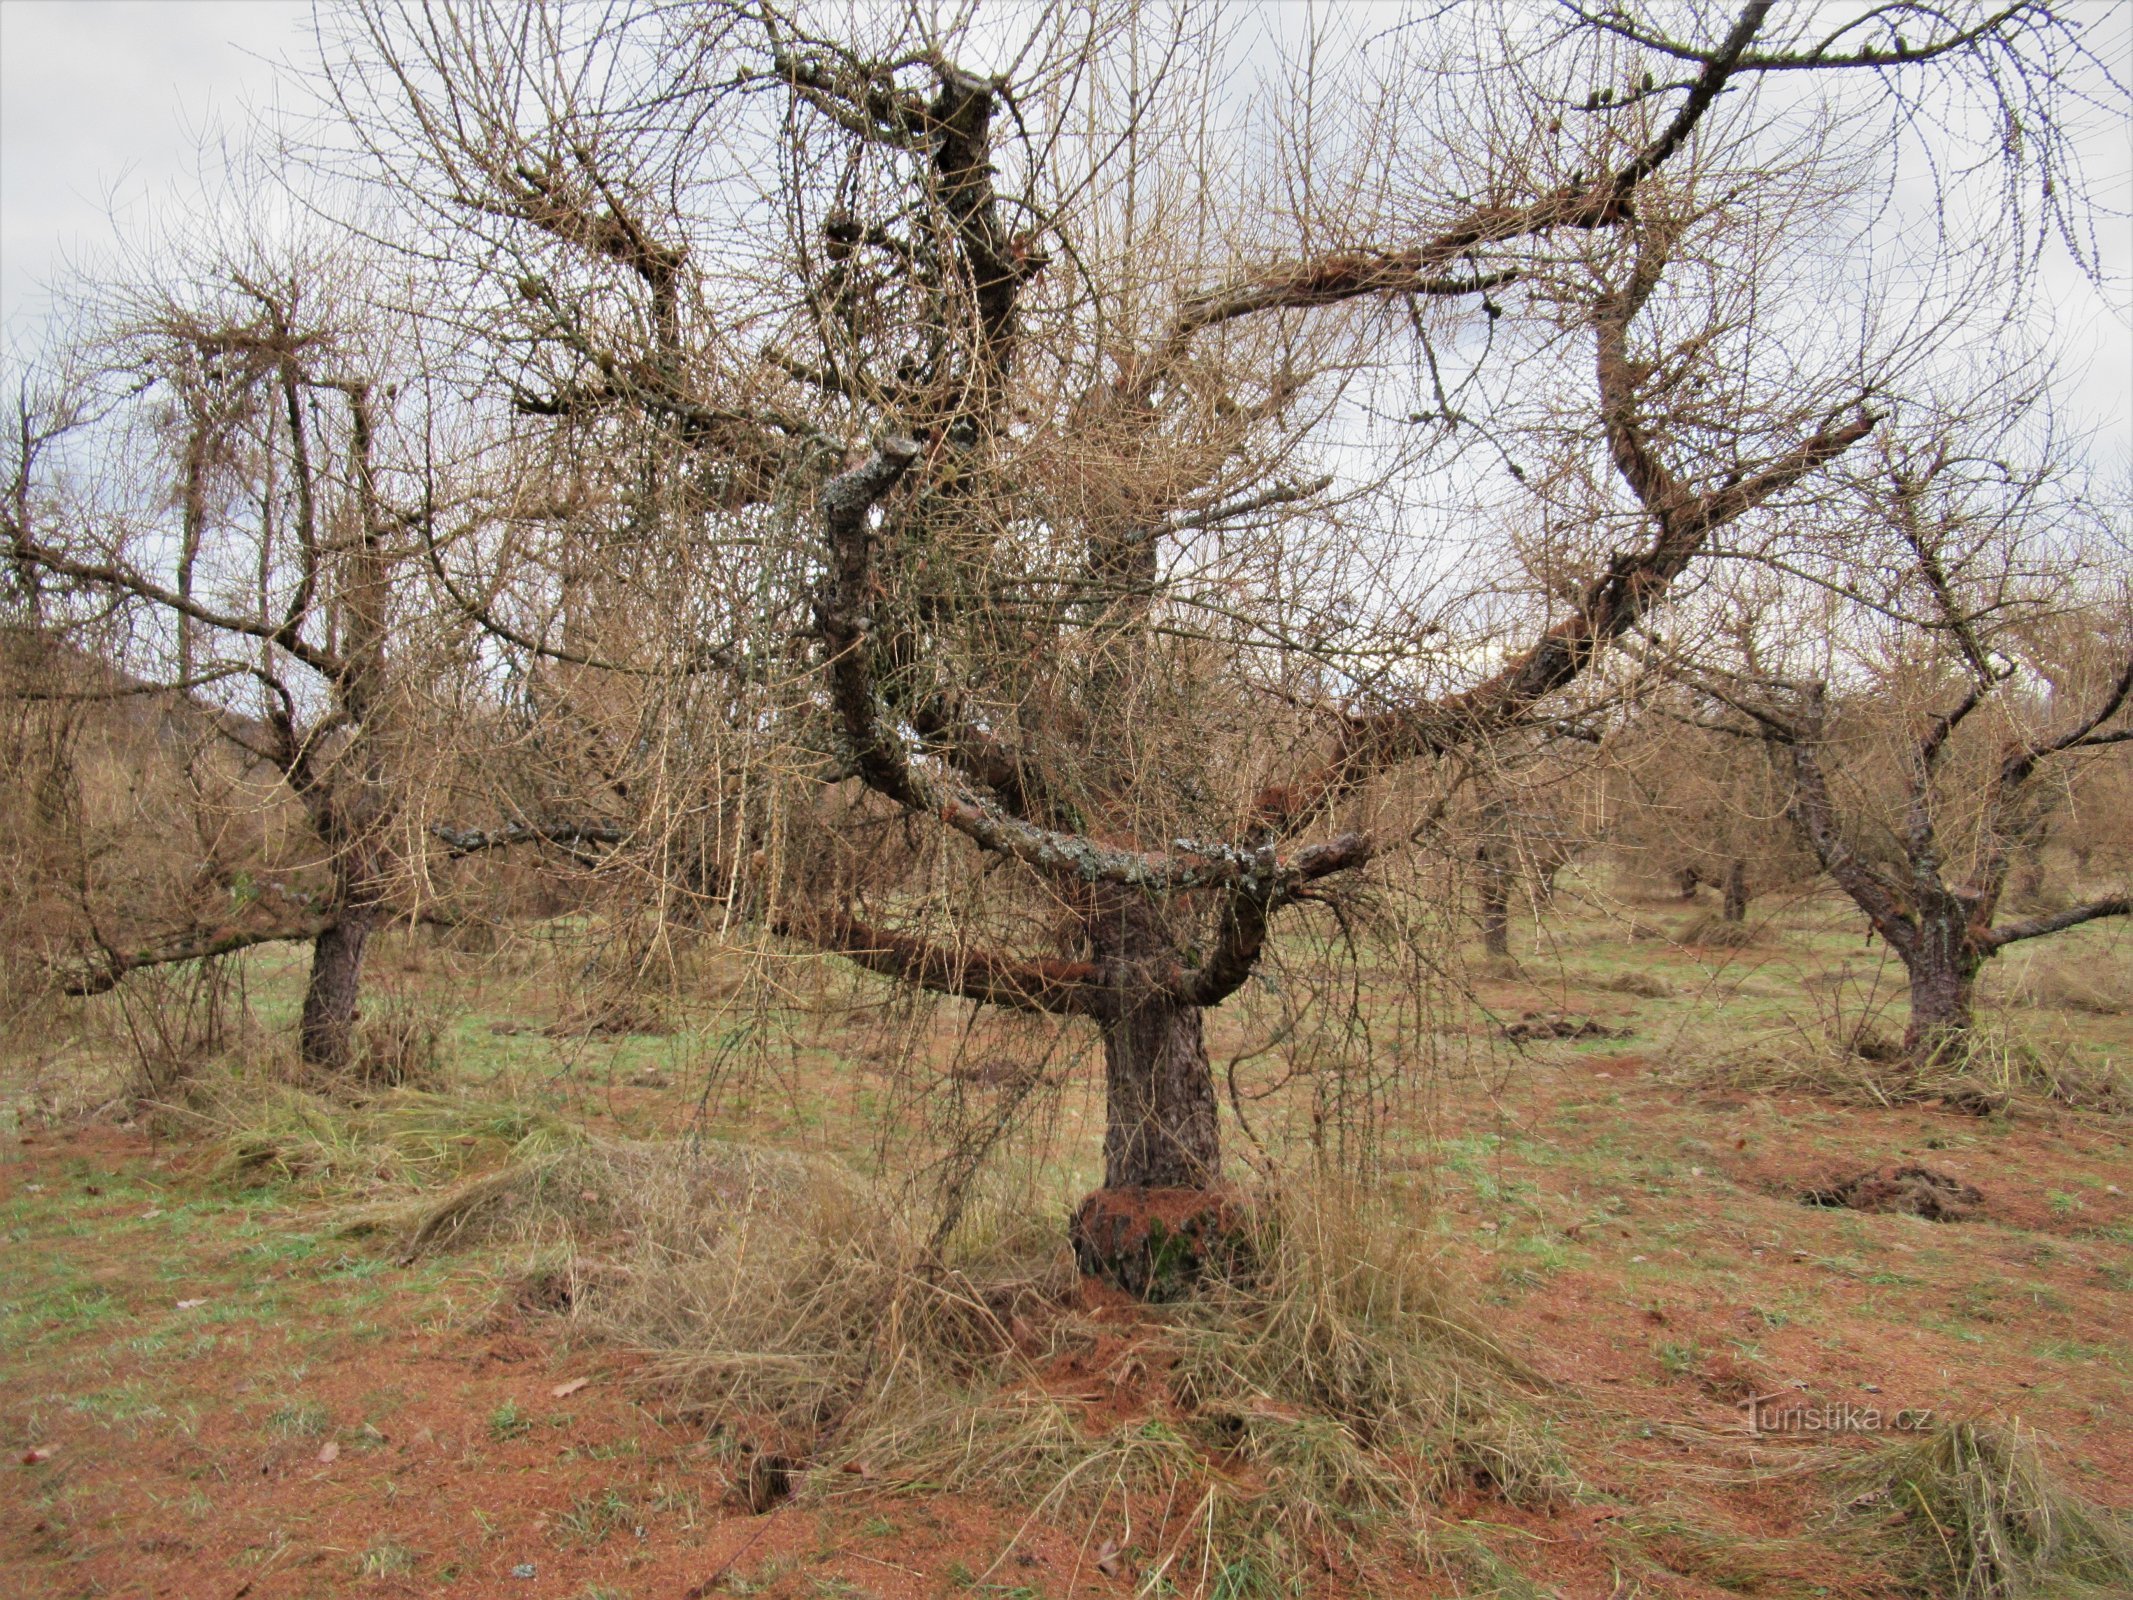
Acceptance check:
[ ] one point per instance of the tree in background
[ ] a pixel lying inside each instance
(1971, 644)
(1693, 808)
(215, 495)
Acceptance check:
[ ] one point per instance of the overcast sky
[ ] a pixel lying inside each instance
(104, 104)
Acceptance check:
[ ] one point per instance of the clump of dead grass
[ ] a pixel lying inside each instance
(2095, 988)
(809, 1310)
(402, 1042)
(1995, 1068)
(1970, 1511)
(1349, 1374)
(1711, 931)
(1644, 985)
(274, 1132)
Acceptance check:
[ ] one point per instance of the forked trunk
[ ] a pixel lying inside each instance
(1737, 892)
(1164, 1215)
(327, 1029)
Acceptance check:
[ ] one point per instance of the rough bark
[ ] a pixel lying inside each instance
(1942, 965)
(327, 1029)
(1164, 1216)
(1160, 1128)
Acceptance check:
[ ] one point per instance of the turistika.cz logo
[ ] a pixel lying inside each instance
(1788, 1413)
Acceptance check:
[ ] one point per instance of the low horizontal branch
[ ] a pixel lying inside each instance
(199, 945)
(2116, 905)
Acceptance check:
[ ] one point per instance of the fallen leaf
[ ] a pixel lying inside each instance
(563, 1391)
(1107, 1561)
(30, 1458)
(330, 1450)
(190, 1305)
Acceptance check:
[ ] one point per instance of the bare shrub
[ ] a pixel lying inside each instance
(177, 1019)
(401, 1043)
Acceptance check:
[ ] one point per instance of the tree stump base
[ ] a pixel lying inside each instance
(1157, 1244)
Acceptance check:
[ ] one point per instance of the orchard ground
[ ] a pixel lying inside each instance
(218, 1384)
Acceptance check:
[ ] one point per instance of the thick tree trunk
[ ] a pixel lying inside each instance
(1159, 1130)
(1737, 892)
(327, 1029)
(1943, 970)
(1495, 895)
(1164, 1215)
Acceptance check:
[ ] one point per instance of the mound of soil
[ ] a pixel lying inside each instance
(1536, 1025)
(1913, 1191)
(1157, 1243)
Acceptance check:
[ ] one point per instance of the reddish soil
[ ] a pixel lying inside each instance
(324, 1422)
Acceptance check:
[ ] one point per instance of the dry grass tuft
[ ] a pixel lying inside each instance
(804, 1308)
(401, 1044)
(1711, 931)
(403, 1139)
(2095, 988)
(1968, 1511)
(1996, 1068)
(1350, 1323)
(1644, 985)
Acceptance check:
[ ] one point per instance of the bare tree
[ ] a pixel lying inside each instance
(1698, 809)
(222, 488)
(1975, 640)
(1015, 498)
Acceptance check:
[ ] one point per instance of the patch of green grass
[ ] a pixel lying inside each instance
(2077, 1350)
(387, 1559)
(592, 1518)
(58, 1313)
(1679, 1358)
(1246, 1577)
(507, 1421)
(299, 1419)
(128, 1403)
